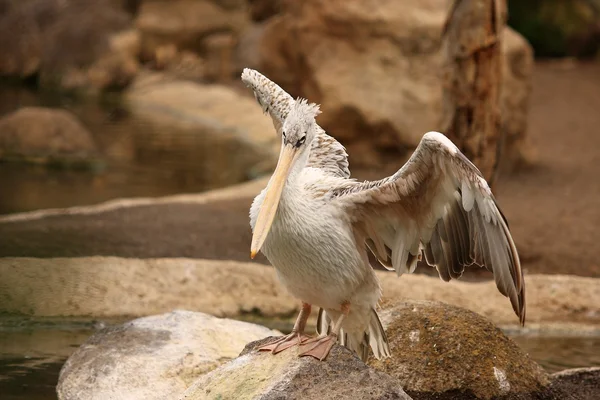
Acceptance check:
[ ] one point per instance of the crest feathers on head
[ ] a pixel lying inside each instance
(303, 107)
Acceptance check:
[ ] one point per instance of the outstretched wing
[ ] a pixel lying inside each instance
(437, 204)
(326, 152)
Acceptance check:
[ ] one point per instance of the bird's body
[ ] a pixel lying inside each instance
(316, 226)
(314, 251)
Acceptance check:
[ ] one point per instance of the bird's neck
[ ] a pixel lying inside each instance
(297, 168)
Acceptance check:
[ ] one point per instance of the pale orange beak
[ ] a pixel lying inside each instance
(267, 212)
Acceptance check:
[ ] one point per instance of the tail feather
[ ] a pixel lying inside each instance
(359, 342)
(377, 337)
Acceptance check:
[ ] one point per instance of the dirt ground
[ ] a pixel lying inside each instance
(553, 207)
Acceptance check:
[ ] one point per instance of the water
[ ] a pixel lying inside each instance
(32, 351)
(137, 158)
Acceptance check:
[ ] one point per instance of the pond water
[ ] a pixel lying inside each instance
(137, 158)
(32, 351)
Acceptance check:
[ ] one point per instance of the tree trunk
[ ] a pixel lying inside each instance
(472, 78)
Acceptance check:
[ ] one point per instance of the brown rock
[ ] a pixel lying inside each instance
(22, 27)
(232, 125)
(87, 49)
(261, 10)
(259, 375)
(374, 68)
(187, 23)
(70, 44)
(454, 353)
(40, 134)
(574, 384)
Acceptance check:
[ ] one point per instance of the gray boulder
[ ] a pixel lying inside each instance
(574, 384)
(260, 375)
(155, 357)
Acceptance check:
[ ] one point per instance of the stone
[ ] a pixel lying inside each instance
(261, 10)
(260, 375)
(233, 125)
(22, 27)
(155, 357)
(373, 66)
(90, 48)
(181, 65)
(107, 287)
(574, 384)
(442, 350)
(69, 44)
(117, 287)
(44, 135)
(187, 23)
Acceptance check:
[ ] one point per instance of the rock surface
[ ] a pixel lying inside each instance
(155, 357)
(112, 286)
(240, 131)
(374, 68)
(259, 375)
(70, 44)
(42, 135)
(574, 384)
(448, 351)
(188, 23)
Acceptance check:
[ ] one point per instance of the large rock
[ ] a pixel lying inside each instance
(188, 24)
(44, 135)
(69, 44)
(454, 353)
(233, 125)
(258, 375)
(155, 357)
(574, 384)
(375, 69)
(116, 287)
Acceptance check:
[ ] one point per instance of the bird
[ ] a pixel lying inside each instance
(317, 226)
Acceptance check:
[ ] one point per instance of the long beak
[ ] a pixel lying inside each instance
(271, 202)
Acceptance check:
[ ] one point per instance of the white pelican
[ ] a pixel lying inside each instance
(316, 225)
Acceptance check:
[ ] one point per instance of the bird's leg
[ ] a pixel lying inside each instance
(320, 347)
(296, 337)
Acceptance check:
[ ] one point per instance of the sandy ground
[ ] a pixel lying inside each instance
(553, 207)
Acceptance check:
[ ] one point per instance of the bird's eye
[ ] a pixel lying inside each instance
(301, 141)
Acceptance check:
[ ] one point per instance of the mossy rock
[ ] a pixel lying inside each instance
(454, 353)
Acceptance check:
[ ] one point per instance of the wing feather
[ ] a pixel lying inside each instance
(439, 203)
(326, 153)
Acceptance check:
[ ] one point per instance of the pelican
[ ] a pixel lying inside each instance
(317, 226)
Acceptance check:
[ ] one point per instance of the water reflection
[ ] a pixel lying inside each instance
(139, 159)
(560, 353)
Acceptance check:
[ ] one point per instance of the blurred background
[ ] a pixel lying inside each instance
(111, 99)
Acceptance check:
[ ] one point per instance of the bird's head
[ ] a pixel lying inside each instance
(297, 133)
(300, 126)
